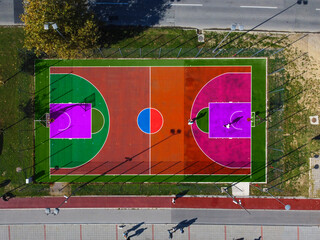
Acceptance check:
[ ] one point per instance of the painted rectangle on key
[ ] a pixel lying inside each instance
(70, 120)
(229, 120)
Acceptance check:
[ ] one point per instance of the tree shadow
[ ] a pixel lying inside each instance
(1, 140)
(181, 194)
(28, 108)
(316, 137)
(113, 34)
(39, 174)
(41, 106)
(121, 20)
(5, 183)
(137, 13)
(28, 58)
(7, 196)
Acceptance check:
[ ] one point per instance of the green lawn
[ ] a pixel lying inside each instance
(16, 116)
(286, 135)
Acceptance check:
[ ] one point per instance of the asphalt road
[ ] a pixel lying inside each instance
(10, 10)
(213, 14)
(162, 216)
(202, 14)
(221, 14)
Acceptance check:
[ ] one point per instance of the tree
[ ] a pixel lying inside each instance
(77, 30)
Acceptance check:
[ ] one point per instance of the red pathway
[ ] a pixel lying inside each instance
(161, 202)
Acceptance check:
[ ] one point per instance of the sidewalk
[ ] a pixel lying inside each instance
(155, 232)
(10, 11)
(205, 202)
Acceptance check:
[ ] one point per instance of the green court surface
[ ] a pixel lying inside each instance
(64, 159)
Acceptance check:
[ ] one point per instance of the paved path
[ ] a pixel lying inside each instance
(162, 202)
(162, 216)
(149, 218)
(155, 232)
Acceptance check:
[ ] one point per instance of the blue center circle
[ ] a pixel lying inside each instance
(150, 120)
(144, 120)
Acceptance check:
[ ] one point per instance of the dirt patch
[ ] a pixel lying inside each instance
(60, 189)
(308, 64)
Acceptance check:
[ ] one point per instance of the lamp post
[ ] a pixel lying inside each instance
(47, 25)
(235, 201)
(286, 206)
(232, 28)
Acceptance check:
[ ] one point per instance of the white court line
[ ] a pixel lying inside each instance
(231, 120)
(187, 4)
(259, 7)
(62, 129)
(317, 9)
(150, 161)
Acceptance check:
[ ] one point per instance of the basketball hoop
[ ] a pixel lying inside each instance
(45, 120)
(48, 120)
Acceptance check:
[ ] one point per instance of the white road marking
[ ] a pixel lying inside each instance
(317, 9)
(259, 7)
(111, 3)
(187, 4)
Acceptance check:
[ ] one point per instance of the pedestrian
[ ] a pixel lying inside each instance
(121, 226)
(190, 121)
(125, 235)
(173, 200)
(227, 125)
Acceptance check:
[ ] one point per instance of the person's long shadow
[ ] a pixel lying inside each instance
(134, 227)
(137, 233)
(184, 224)
(201, 115)
(181, 194)
(236, 120)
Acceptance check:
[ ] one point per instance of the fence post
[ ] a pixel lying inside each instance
(159, 52)
(218, 52)
(278, 70)
(238, 52)
(199, 52)
(120, 52)
(179, 52)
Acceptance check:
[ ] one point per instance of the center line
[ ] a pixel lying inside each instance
(258, 7)
(187, 4)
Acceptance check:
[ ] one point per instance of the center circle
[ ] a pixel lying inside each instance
(150, 120)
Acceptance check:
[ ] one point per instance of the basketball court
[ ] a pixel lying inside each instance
(127, 120)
